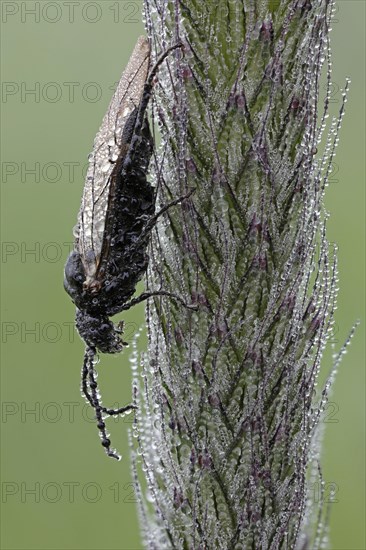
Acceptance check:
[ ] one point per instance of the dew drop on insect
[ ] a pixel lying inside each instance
(126, 111)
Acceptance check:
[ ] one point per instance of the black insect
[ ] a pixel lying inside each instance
(115, 220)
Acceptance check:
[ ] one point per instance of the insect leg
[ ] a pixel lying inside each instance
(147, 295)
(129, 159)
(153, 220)
(150, 80)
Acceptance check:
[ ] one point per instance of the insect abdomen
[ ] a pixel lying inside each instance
(133, 205)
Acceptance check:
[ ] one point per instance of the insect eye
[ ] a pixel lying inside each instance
(74, 272)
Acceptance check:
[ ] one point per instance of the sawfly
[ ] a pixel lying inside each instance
(114, 223)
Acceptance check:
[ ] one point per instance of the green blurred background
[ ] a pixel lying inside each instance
(59, 491)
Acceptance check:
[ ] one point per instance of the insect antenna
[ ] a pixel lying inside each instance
(86, 393)
(84, 379)
(93, 396)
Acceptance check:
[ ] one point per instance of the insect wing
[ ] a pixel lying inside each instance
(109, 147)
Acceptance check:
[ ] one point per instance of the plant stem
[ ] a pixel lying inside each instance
(228, 415)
